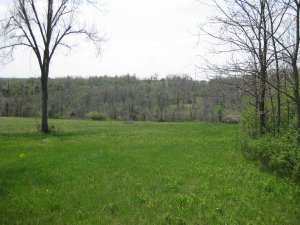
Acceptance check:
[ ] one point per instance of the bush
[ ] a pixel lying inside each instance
(97, 116)
(249, 123)
(279, 155)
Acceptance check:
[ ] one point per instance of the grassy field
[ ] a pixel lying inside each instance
(135, 173)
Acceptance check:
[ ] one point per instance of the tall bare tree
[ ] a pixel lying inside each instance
(263, 38)
(289, 43)
(243, 33)
(43, 26)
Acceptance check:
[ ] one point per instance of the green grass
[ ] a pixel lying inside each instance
(135, 173)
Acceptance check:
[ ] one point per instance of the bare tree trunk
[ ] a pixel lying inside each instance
(278, 84)
(273, 110)
(287, 100)
(298, 122)
(296, 72)
(44, 82)
(263, 62)
(297, 100)
(262, 111)
(278, 122)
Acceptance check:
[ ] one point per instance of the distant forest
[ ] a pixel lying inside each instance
(175, 98)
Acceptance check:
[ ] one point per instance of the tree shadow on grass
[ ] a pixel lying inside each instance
(18, 176)
(39, 135)
(10, 177)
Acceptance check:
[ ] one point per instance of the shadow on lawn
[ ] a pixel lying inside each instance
(10, 177)
(20, 176)
(38, 135)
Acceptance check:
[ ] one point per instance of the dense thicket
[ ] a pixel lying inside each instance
(175, 98)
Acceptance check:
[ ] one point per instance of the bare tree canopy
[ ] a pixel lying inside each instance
(43, 26)
(259, 41)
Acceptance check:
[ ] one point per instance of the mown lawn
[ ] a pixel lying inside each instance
(135, 173)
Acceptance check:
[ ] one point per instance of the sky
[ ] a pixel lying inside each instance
(143, 37)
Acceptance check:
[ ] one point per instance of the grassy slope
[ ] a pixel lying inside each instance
(140, 173)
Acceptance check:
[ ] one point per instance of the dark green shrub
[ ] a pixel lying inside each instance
(279, 155)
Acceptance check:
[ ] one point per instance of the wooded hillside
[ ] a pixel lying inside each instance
(175, 98)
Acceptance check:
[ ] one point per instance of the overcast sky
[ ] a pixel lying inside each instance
(144, 37)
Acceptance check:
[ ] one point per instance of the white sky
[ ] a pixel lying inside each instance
(144, 37)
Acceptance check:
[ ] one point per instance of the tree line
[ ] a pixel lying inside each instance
(175, 98)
